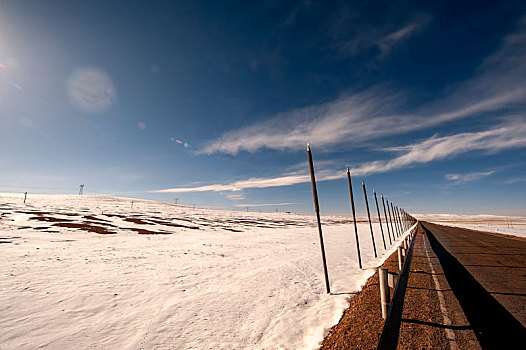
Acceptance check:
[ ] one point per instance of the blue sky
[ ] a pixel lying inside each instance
(214, 102)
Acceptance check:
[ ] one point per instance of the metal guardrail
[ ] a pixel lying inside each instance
(391, 330)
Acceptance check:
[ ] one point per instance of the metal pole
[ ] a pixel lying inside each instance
(317, 209)
(399, 221)
(379, 218)
(386, 222)
(391, 220)
(369, 216)
(354, 218)
(394, 219)
(25, 196)
(384, 290)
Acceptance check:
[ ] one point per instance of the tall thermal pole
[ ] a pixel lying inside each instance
(379, 218)
(369, 216)
(386, 222)
(354, 218)
(317, 209)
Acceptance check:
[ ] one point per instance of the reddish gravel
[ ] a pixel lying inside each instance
(435, 314)
(361, 324)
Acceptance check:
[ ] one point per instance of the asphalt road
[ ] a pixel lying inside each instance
(487, 274)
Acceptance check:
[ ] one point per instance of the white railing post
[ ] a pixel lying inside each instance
(384, 291)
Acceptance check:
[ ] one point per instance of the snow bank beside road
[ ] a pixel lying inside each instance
(212, 279)
(510, 225)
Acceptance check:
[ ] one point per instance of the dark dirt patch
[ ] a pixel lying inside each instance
(172, 224)
(36, 212)
(90, 217)
(143, 231)
(114, 215)
(84, 227)
(231, 229)
(68, 214)
(138, 221)
(49, 219)
(99, 223)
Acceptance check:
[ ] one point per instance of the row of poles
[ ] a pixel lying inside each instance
(396, 217)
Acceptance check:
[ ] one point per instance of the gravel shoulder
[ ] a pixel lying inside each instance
(432, 318)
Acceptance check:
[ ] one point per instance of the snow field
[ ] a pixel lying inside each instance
(206, 288)
(509, 225)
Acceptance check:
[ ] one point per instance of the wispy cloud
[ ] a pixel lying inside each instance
(235, 197)
(264, 204)
(512, 135)
(285, 180)
(296, 9)
(507, 136)
(497, 86)
(515, 180)
(365, 39)
(460, 178)
(389, 41)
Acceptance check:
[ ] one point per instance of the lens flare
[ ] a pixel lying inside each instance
(11, 72)
(186, 145)
(16, 86)
(91, 90)
(141, 125)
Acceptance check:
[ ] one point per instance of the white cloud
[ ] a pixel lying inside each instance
(512, 135)
(459, 178)
(384, 37)
(507, 136)
(264, 204)
(497, 86)
(235, 197)
(285, 180)
(515, 180)
(387, 43)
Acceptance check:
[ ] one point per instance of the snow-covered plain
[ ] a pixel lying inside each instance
(88, 272)
(510, 225)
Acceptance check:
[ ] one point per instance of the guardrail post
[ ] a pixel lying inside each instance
(400, 258)
(384, 291)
